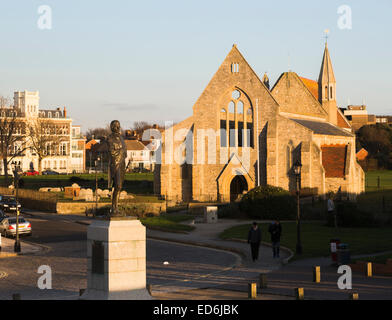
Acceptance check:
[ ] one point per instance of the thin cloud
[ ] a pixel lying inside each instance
(128, 107)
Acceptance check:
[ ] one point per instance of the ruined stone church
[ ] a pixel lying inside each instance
(260, 133)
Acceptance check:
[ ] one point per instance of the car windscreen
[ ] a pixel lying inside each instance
(13, 221)
(8, 199)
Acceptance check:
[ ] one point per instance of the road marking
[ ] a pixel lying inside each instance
(37, 220)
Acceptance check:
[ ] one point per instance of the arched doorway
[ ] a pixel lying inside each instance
(237, 186)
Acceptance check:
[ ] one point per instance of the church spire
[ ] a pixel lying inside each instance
(327, 81)
(327, 86)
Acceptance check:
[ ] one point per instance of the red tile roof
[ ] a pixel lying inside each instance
(313, 88)
(362, 154)
(90, 144)
(311, 85)
(341, 121)
(334, 160)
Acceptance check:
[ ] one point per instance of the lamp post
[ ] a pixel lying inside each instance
(16, 185)
(96, 185)
(297, 172)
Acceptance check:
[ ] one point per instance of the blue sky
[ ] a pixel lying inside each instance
(150, 60)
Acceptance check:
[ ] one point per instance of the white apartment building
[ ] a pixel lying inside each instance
(78, 150)
(59, 158)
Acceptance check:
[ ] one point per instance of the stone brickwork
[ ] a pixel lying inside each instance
(294, 97)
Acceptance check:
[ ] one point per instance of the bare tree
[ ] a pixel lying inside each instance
(12, 135)
(45, 139)
(97, 133)
(140, 126)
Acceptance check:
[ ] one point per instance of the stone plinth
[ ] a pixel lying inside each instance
(211, 214)
(116, 255)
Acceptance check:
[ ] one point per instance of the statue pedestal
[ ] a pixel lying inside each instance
(116, 254)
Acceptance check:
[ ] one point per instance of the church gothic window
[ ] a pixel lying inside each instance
(223, 136)
(231, 107)
(236, 125)
(236, 94)
(240, 107)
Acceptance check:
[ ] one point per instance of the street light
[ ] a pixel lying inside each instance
(297, 173)
(16, 185)
(96, 185)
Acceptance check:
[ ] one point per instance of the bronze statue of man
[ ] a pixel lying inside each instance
(117, 154)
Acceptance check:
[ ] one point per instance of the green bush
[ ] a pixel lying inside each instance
(313, 211)
(349, 216)
(229, 211)
(78, 180)
(268, 202)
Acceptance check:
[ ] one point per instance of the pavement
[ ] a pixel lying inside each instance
(7, 248)
(283, 276)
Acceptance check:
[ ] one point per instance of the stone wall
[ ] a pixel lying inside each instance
(81, 207)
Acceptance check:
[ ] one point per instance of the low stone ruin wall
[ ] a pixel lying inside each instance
(142, 208)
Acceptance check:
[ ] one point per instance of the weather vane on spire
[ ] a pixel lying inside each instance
(326, 31)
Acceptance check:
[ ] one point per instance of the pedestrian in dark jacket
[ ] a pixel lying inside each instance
(275, 229)
(254, 239)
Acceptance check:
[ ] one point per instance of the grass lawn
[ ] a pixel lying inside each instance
(315, 238)
(385, 180)
(377, 202)
(376, 259)
(170, 222)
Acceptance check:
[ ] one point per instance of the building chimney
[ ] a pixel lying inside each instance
(65, 112)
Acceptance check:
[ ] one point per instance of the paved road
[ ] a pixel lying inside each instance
(188, 267)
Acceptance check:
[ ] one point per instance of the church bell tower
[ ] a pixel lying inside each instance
(327, 87)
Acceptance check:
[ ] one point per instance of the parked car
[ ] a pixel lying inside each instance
(92, 170)
(8, 203)
(2, 215)
(49, 172)
(31, 173)
(8, 226)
